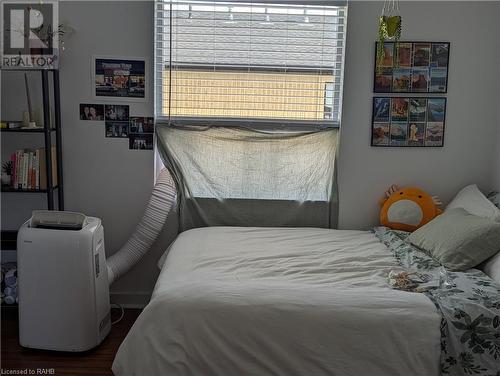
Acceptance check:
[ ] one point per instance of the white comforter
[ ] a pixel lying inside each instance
(280, 301)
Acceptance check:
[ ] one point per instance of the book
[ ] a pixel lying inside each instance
(19, 170)
(11, 124)
(28, 170)
(43, 168)
(25, 166)
(19, 163)
(13, 178)
(33, 164)
(37, 169)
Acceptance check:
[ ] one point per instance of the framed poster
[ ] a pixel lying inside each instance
(408, 122)
(119, 78)
(412, 67)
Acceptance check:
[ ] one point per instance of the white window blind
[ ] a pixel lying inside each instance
(249, 61)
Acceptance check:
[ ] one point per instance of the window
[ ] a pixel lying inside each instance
(245, 62)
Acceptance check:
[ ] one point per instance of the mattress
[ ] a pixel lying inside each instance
(280, 301)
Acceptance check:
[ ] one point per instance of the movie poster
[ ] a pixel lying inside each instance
(120, 78)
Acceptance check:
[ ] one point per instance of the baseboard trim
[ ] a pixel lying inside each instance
(130, 299)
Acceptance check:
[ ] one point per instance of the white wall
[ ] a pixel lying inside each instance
(496, 160)
(365, 172)
(496, 166)
(105, 179)
(102, 176)
(496, 157)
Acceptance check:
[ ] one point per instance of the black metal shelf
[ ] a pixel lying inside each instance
(47, 131)
(10, 189)
(26, 130)
(27, 69)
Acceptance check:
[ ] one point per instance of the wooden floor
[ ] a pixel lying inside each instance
(94, 362)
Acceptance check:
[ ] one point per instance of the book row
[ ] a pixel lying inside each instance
(29, 170)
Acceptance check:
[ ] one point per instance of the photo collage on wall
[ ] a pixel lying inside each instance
(119, 124)
(120, 79)
(412, 67)
(415, 121)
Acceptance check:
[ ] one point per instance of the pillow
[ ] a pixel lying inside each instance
(494, 197)
(471, 199)
(492, 267)
(457, 239)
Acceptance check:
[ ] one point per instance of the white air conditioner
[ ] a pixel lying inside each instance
(63, 282)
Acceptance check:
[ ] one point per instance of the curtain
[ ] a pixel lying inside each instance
(235, 176)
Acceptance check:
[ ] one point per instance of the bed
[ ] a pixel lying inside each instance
(281, 301)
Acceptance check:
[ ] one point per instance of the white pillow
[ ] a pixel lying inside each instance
(492, 267)
(471, 199)
(494, 197)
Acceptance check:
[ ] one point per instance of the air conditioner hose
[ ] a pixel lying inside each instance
(160, 204)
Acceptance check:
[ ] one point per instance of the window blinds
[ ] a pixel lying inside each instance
(249, 61)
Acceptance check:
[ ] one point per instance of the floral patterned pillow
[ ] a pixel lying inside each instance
(494, 197)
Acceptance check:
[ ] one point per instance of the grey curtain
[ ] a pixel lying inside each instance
(230, 176)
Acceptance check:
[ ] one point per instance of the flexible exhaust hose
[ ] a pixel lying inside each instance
(160, 204)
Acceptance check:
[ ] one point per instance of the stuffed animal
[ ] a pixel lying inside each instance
(407, 209)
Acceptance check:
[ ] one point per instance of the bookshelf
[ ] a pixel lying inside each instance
(47, 131)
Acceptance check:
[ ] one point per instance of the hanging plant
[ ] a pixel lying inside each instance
(389, 28)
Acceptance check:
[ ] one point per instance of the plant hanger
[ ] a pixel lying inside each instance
(389, 29)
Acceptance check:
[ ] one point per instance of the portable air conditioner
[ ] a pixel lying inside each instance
(63, 282)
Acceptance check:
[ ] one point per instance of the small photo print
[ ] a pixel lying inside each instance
(381, 109)
(380, 134)
(383, 81)
(440, 52)
(421, 54)
(404, 54)
(140, 142)
(399, 110)
(438, 80)
(116, 112)
(399, 134)
(436, 108)
(416, 134)
(401, 80)
(418, 109)
(420, 79)
(91, 111)
(434, 135)
(117, 129)
(388, 60)
(142, 125)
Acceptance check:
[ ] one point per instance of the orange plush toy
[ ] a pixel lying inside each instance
(407, 209)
